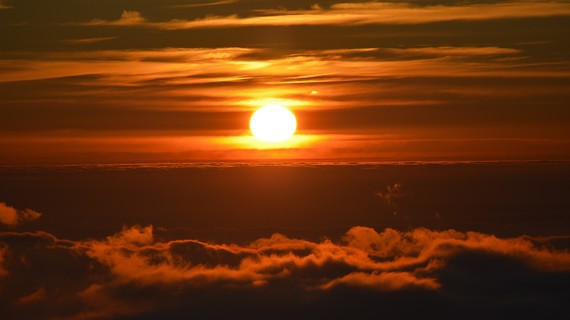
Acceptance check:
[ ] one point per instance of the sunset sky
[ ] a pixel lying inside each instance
(428, 177)
(138, 81)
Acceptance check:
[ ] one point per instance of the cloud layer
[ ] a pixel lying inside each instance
(351, 14)
(129, 273)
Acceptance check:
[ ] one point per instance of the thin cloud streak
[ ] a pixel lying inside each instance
(205, 4)
(88, 40)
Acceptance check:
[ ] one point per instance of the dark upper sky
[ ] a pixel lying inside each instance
(130, 81)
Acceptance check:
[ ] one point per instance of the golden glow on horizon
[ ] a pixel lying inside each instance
(250, 143)
(273, 123)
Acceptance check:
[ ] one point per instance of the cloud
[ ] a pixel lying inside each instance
(3, 253)
(383, 281)
(205, 4)
(353, 14)
(454, 51)
(11, 216)
(88, 40)
(389, 196)
(3, 6)
(132, 272)
(411, 52)
(35, 296)
(128, 18)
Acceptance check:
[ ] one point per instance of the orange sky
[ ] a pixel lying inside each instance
(367, 80)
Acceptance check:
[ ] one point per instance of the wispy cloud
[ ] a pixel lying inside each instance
(89, 40)
(455, 51)
(204, 4)
(183, 66)
(390, 195)
(12, 217)
(128, 18)
(33, 297)
(353, 14)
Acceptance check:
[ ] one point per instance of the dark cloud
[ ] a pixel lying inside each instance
(33, 297)
(3, 253)
(390, 196)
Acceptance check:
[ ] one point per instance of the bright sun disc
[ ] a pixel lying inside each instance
(273, 123)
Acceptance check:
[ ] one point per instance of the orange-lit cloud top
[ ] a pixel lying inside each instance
(384, 261)
(11, 216)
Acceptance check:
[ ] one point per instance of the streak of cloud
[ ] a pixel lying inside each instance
(88, 40)
(204, 4)
(33, 297)
(352, 14)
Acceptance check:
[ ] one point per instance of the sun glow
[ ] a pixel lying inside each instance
(273, 123)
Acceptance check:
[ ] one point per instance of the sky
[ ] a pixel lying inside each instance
(144, 81)
(428, 177)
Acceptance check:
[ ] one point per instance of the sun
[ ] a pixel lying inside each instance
(273, 123)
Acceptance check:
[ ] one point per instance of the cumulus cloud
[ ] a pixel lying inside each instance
(131, 272)
(364, 254)
(11, 216)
